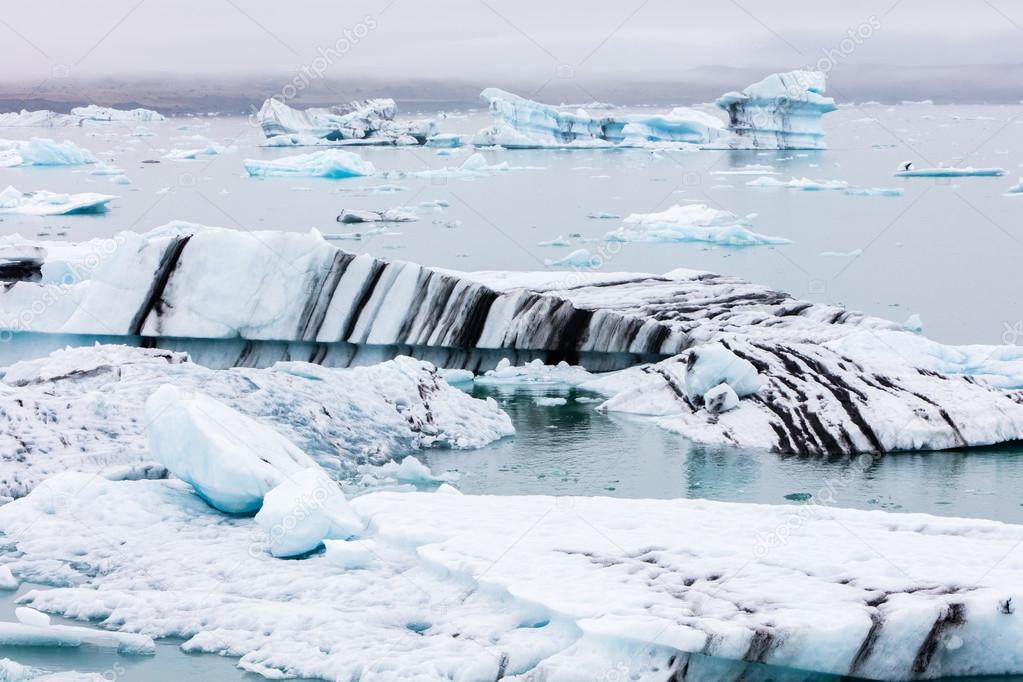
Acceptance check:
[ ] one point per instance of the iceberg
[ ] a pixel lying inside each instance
(804, 184)
(40, 151)
(43, 203)
(205, 147)
(948, 172)
(192, 288)
(521, 123)
(650, 589)
(86, 409)
(390, 215)
(1016, 189)
(783, 111)
(328, 163)
(690, 223)
(361, 122)
(94, 112)
(580, 258)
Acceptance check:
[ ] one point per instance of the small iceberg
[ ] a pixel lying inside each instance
(40, 151)
(368, 121)
(329, 163)
(875, 191)
(206, 147)
(580, 258)
(783, 111)
(43, 203)
(475, 166)
(691, 223)
(557, 241)
(78, 117)
(943, 171)
(390, 215)
(1016, 189)
(804, 184)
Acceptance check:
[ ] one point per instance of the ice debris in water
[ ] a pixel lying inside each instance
(327, 163)
(549, 401)
(39, 151)
(43, 203)
(534, 373)
(691, 223)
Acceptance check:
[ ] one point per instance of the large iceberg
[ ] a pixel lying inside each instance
(690, 223)
(79, 116)
(40, 151)
(225, 297)
(783, 111)
(521, 123)
(43, 203)
(361, 122)
(447, 586)
(84, 409)
(328, 163)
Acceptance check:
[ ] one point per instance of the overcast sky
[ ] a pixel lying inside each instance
(473, 39)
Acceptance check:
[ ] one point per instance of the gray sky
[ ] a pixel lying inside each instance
(524, 40)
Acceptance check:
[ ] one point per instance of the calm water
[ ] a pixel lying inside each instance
(947, 249)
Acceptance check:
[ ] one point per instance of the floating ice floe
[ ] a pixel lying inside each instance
(40, 151)
(359, 122)
(603, 215)
(805, 184)
(94, 112)
(34, 629)
(843, 254)
(328, 163)
(828, 388)
(84, 409)
(521, 123)
(1016, 189)
(390, 215)
(690, 223)
(875, 191)
(549, 401)
(206, 147)
(783, 111)
(557, 241)
(43, 203)
(652, 589)
(948, 172)
(580, 258)
(79, 116)
(475, 166)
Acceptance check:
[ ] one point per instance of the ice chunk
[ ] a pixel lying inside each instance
(720, 399)
(914, 323)
(580, 258)
(875, 191)
(328, 163)
(40, 151)
(557, 241)
(949, 172)
(230, 459)
(1017, 188)
(690, 223)
(549, 401)
(521, 123)
(303, 510)
(714, 364)
(205, 147)
(350, 555)
(7, 579)
(29, 616)
(534, 373)
(94, 112)
(42, 203)
(368, 121)
(805, 184)
(446, 141)
(783, 111)
(390, 215)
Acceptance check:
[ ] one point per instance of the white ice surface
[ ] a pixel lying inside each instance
(43, 203)
(690, 223)
(327, 163)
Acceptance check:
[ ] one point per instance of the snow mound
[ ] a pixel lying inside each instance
(690, 223)
(44, 203)
(783, 111)
(328, 163)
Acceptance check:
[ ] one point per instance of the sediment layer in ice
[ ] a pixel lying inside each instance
(480, 588)
(368, 121)
(828, 386)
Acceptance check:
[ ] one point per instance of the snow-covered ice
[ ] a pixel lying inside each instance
(538, 587)
(690, 223)
(43, 203)
(83, 409)
(327, 163)
(782, 111)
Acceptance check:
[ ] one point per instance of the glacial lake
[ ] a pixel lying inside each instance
(947, 249)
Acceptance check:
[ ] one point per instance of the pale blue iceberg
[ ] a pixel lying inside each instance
(360, 122)
(42, 203)
(943, 171)
(40, 151)
(1016, 189)
(690, 223)
(521, 123)
(328, 163)
(783, 111)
